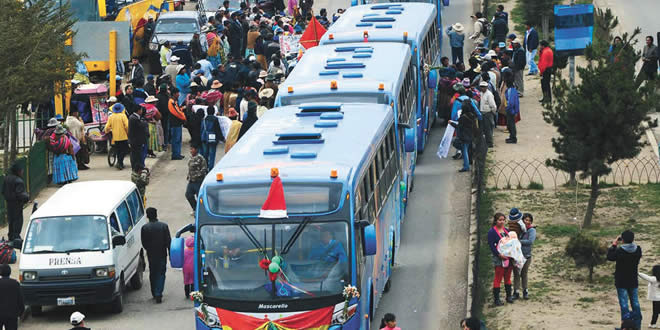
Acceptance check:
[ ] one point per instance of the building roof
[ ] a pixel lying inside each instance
(356, 67)
(383, 22)
(342, 147)
(85, 198)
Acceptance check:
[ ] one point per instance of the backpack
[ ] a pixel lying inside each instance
(486, 27)
(7, 253)
(209, 134)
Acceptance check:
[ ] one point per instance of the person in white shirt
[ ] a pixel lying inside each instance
(653, 293)
(488, 110)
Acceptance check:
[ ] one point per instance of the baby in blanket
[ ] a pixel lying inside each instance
(510, 247)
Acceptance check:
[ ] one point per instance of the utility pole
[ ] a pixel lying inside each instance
(571, 64)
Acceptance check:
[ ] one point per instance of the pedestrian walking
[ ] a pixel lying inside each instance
(500, 29)
(388, 322)
(77, 320)
(156, 241)
(526, 241)
(502, 264)
(456, 41)
(480, 34)
(627, 254)
(11, 299)
(546, 62)
(140, 176)
(512, 112)
(466, 126)
(138, 133)
(76, 128)
(211, 134)
(488, 109)
(189, 266)
(137, 72)
(176, 120)
(13, 190)
(197, 170)
(653, 293)
(153, 119)
(518, 66)
(118, 125)
(530, 44)
(162, 105)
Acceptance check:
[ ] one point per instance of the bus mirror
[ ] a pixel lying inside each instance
(176, 252)
(369, 237)
(409, 139)
(118, 240)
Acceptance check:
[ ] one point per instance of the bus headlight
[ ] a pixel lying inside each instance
(339, 317)
(28, 276)
(105, 272)
(153, 46)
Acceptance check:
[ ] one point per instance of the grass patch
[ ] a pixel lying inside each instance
(586, 299)
(554, 231)
(535, 186)
(486, 209)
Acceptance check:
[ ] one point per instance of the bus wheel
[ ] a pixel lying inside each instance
(388, 285)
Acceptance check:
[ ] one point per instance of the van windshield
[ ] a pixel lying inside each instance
(67, 234)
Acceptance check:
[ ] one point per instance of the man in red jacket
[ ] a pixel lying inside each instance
(545, 69)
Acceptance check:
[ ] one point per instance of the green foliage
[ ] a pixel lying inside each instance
(586, 251)
(535, 186)
(534, 10)
(600, 121)
(33, 50)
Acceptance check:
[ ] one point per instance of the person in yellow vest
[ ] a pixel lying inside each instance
(118, 125)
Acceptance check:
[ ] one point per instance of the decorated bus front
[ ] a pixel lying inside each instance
(274, 255)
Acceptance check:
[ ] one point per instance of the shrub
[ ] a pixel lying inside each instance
(586, 251)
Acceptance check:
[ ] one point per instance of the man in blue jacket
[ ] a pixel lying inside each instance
(627, 254)
(531, 43)
(456, 40)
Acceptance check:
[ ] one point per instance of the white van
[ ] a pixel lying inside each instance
(83, 246)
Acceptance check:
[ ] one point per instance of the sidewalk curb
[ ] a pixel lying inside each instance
(473, 240)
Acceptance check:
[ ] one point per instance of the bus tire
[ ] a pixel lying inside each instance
(388, 285)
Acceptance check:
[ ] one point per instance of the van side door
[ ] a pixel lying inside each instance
(136, 208)
(125, 257)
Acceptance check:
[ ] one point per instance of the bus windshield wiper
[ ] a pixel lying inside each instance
(296, 234)
(251, 237)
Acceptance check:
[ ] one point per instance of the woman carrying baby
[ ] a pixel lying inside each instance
(502, 264)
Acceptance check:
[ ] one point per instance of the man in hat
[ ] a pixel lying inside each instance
(530, 44)
(118, 125)
(149, 86)
(488, 110)
(197, 170)
(519, 61)
(77, 320)
(479, 34)
(182, 83)
(170, 69)
(627, 255)
(111, 101)
(456, 40)
(165, 54)
(12, 305)
(156, 241)
(13, 189)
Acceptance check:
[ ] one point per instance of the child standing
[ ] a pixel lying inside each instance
(388, 322)
(653, 293)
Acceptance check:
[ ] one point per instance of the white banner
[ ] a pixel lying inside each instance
(445, 144)
(289, 44)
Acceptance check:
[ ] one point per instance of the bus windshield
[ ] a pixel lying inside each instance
(315, 265)
(55, 234)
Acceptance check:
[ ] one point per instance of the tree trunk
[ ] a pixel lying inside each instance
(591, 274)
(571, 180)
(545, 23)
(592, 201)
(14, 135)
(5, 142)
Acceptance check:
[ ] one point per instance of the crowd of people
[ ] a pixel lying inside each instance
(485, 92)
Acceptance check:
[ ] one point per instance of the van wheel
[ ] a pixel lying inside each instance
(137, 279)
(36, 310)
(117, 305)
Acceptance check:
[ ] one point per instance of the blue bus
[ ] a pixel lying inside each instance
(412, 23)
(381, 73)
(438, 3)
(339, 171)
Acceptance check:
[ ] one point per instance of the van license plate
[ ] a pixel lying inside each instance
(67, 301)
